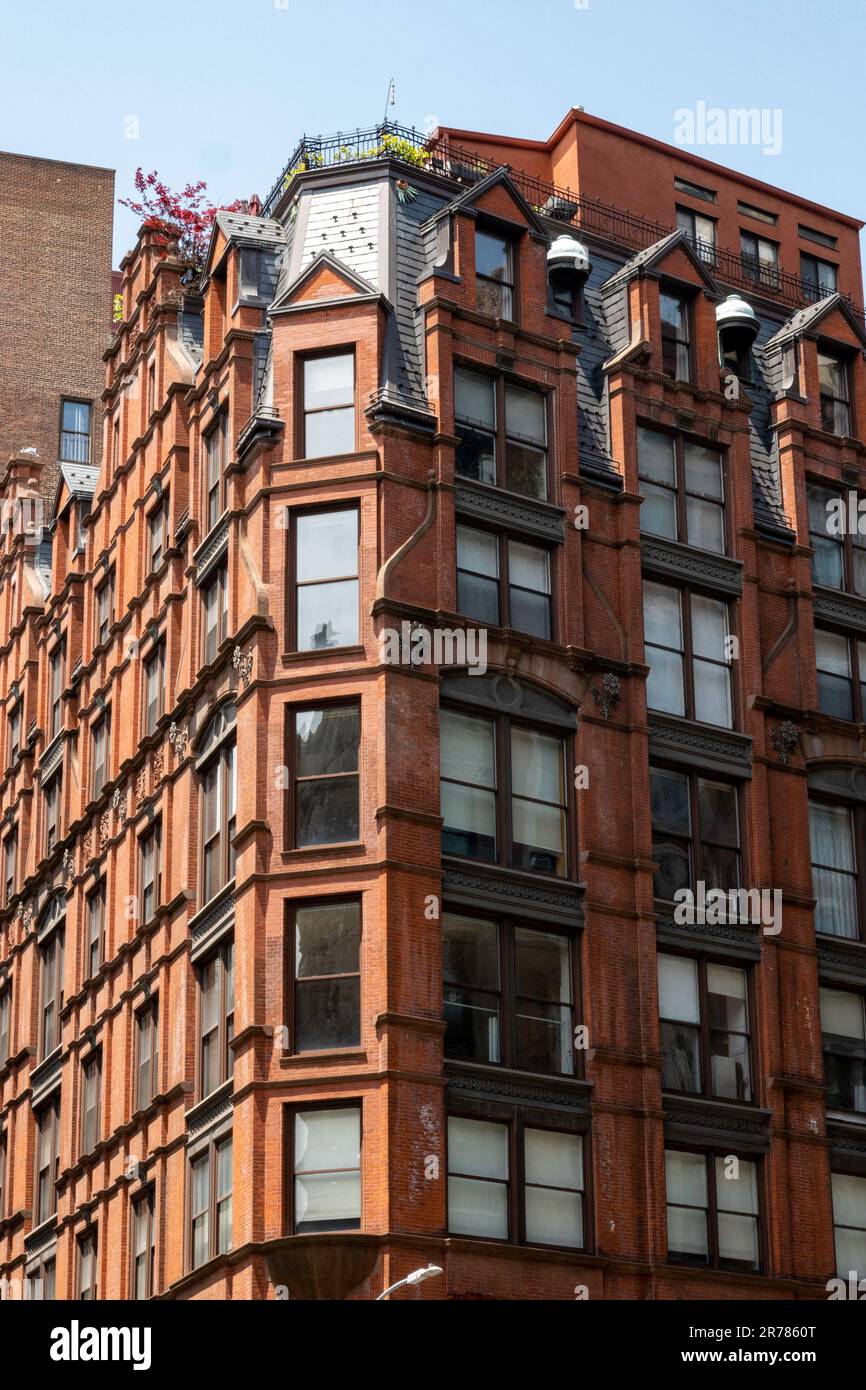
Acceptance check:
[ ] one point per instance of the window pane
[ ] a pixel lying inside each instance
(687, 1234)
(471, 983)
(328, 1201)
(328, 615)
(470, 951)
(481, 1149)
(477, 551)
(842, 1014)
(553, 1218)
(327, 545)
(476, 456)
(656, 454)
(669, 799)
(329, 381)
(832, 653)
(327, 939)
(536, 765)
(525, 470)
(529, 567)
(678, 989)
(658, 513)
(712, 694)
(539, 837)
(479, 598)
(726, 989)
(553, 1160)
(467, 748)
(525, 415)
(478, 1208)
(530, 613)
(327, 811)
(709, 627)
(477, 1148)
(703, 470)
(492, 256)
(705, 522)
(469, 817)
(664, 690)
(327, 1139)
(330, 432)
(327, 740)
(717, 808)
(661, 615)
(831, 837)
(474, 399)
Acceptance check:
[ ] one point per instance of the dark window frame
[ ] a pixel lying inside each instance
(146, 1200)
(5, 1024)
(158, 527)
(215, 443)
(53, 804)
(511, 235)
(156, 657)
(705, 1027)
(208, 1153)
(500, 381)
(51, 966)
(760, 272)
(507, 994)
(221, 761)
(696, 839)
(845, 361)
(687, 591)
(96, 909)
(503, 793)
(290, 799)
(680, 492)
(105, 599)
(100, 764)
(845, 1048)
(10, 865)
(504, 586)
(91, 1114)
(45, 1180)
(706, 250)
(516, 1122)
(812, 287)
(147, 1052)
(676, 290)
(87, 1247)
(294, 585)
(296, 1107)
(349, 349)
(218, 584)
(76, 434)
(290, 977)
(15, 720)
(56, 687)
(150, 840)
(224, 1029)
(857, 813)
(714, 1261)
(857, 685)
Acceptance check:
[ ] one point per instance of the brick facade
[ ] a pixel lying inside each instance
(376, 258)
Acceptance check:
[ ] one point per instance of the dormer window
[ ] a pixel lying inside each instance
(494, 274)
(835, 394)
(329, 405)
(676, 335)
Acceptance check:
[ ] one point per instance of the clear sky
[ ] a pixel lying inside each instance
(222, 89)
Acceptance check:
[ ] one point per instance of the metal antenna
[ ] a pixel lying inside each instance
(390, 99)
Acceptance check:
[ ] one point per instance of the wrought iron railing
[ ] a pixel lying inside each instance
(620, 226)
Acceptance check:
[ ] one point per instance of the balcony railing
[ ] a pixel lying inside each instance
(617, 225)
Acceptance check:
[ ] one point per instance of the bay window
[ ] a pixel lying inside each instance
(217, 769)
(324, 745)
(216, 1016)
(329, 405)
(841, 666)
(836, 837)
(508, 994)
(696, 832)
(326, 953)
(326, 1169)
(210, 1173)
(839, 561)
(326, 591)
(686, 640)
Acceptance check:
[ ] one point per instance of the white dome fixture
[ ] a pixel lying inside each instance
(568, 262)
(737, 322)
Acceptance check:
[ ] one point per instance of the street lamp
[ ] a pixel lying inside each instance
(416, 1277)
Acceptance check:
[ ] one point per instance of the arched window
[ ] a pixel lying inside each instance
(217, 770)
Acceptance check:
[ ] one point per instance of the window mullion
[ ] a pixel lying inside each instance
(704, 1015)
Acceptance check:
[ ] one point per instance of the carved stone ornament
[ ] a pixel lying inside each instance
(68, 865)
(178, 737)
(784, 738)
(157, 763)
(104, 830)
(243, 664)
(118, 805)
(140, 787)
(608, 696)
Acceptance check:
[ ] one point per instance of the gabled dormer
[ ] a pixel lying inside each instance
(819, 359)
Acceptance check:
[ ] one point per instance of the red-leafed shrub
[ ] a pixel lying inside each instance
(183, 220)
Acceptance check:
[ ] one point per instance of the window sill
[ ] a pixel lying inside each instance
(320, 652)
(321, 851)
(296, 1060)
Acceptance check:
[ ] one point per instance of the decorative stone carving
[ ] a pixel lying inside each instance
(784, 738)
(118, 806)
(607, 696)
(140, 787)
(68, 865)
(104, 831)
(243, 664)
(178, 737)
(157, 763)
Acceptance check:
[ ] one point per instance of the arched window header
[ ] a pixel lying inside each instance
(502, 694)
(218, 727)
(843, 780)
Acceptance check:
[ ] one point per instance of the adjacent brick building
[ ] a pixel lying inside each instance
(328, 950)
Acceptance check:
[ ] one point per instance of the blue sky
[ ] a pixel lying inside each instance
(222, 89)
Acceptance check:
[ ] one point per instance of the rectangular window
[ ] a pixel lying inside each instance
(701, 231)
(504, 582)
(326, 579)
(820, 238)
(91, 1085)
(491, 770)
(96, 923)
(151, 388)
(327, 1169)
(219, 818)
(10, 857)
(50, 992)
(759, 214)
(150, 870)
(115, 441)
(686, 642)
(676, 315)
(216, 459)
(818, 277)
(324, 747)
(15, 732)
(713, 1210)
(3, 1169)
(101, 745)
(216, 980)
(211, 1202)
(52, 811)
(502, 433)
(87, 1266)
(326, 949)
(154, 688)
(216, 612)
(75, 432)
(143, 1245)
(841, 665)
(836, 879)
(834, 388)
(146, 1054)
(696, 834)
(104, 608)
(522, 1184)
(329, 405)
(683, 490)
(253, 274)
(694, 190)
(47, 1159)
(158, 533)
(849, 1224)
(843, 1031)
(760, 259)
(494, 274)
(509, 994)
(704, 1019)
(56, 682)
(5, 1023)
(41, 1281)
(839, 561)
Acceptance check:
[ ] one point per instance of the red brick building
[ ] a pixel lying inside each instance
(457, 594)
